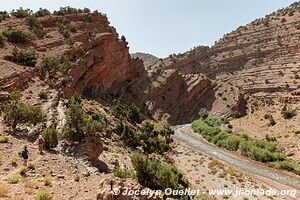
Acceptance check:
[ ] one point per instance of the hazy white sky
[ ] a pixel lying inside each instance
(162, 27)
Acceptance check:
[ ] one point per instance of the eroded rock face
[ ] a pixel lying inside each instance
(260, 60)
(93, 148)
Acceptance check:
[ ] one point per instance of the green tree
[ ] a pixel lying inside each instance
(203, 113)
(16, 111)
(50, 137)
(75, 119)
(167, 132)
(156, 175)
(134, 113)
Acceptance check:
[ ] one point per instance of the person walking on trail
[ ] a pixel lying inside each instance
(41, 144)
(25, 155)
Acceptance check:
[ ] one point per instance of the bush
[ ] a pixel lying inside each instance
(21, 57)
(3, 15)
(119, 110)
(42, 12)
(123, 173)
(35, 26)
(50, 137)
(72, 27)
(51, 65)
(94, 124)
(4, 139)
(14, 179)
(18, 36)
(288, 112)
(203, 113)
(42, 194)
(16, 111)
(79, 124)
(129, 136)
(4, 190)
(75, 120)
(23, 171)
(21, 13)
(255, 149)
(271, 121)
(2, 39)
(47, 180)
(155, 175)
(134, 113)
(66, 10)
(43, 95)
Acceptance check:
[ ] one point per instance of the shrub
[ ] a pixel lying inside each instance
(4, 139)
(75, 120)
(271, 121)
(3, 15)
(4, 189)
(16, 111)
(155, 175)
(18, 36)
(66, 10)
(51, 65)
(94, 124)
(255, 149)
(43, 95)
(42, 194)
(50, 137)
(47, 180)
(288, 112)
(21, 57)
(72, 27)
(21, 13)
(42, 12)
(79, 124)
(14, 179)
(129, 136)
(203, 113)
(134, 113)
(35, 26)
(119, 110)
(23, 171)
(123, 173)
(2, 39)
(31, 166)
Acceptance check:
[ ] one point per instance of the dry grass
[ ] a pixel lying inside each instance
(14, 179)
(4, 189)
(18, 197)
(42, 194)
(47, 180)
(31, 183)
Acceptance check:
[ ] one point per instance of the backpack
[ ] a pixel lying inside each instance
(25, 154)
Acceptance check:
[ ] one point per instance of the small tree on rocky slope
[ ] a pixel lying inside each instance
(80, 125)
(16, 112)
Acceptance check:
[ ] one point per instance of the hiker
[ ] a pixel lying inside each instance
(41, 144)
(25, 155)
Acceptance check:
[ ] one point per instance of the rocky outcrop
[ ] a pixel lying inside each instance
(147, 58)
(93, 147)
(260, 59)
(292, 98)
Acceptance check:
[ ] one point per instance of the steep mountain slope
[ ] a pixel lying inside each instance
(100, 62)
(146, 57)
(259, 60)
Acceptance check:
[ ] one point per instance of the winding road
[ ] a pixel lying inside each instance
(183, 134)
